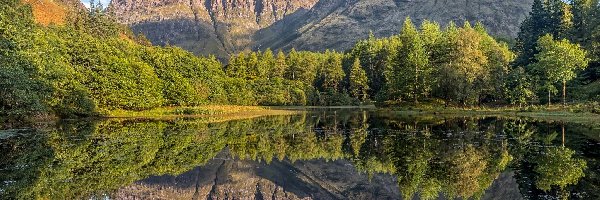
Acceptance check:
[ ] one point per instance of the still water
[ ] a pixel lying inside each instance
(325, 154)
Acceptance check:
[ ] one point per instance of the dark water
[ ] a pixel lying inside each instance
(340, 154)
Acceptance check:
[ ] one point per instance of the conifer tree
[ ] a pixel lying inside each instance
(331, 73)
(279, 66)
(237, 66)
(252, 66)
(358, 81)
(584, 21)
(266, 64)
(293, 63)
(412, 68)
(534, 26)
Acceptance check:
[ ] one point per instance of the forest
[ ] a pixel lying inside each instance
(91, 65)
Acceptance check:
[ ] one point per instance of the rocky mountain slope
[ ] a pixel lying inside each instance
(223, 27)
(217, 27)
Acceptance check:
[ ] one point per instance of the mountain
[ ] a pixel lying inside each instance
(209, 26)
(223, 27)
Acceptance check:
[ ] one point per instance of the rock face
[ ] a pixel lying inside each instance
(217, 27)
(223, 27)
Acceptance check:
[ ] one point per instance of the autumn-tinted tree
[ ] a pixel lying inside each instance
(499, 57)
(462, 63)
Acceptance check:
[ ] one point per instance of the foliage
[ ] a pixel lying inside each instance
(519, 89)
(22, 90)
(570, 22)
(358, 81)
(559, 61)
(557, 167)
(91, 65)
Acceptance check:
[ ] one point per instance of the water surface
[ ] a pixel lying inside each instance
(325, 154)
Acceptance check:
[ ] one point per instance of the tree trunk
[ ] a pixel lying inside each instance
(416, 89)
(549, 98)
(563, 135)
(565, 93)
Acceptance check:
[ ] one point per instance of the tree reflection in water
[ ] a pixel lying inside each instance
(457, 157)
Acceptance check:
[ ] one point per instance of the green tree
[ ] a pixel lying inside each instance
(431, 35)
(21, 90)
(519, 87)
(331, 73)
(413, 63)
(534, 26)
(307, 66)
(294, 67)
(557, 167)
(237, 66)
(583, 20)
(559, 61)
(358, 81)
(266, 63)
(279, 66)
(560, 18)
(253, 66)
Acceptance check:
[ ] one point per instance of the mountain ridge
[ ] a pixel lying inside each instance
(226, 27)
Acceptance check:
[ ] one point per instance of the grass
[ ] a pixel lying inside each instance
(225, 111)
(575, 113)
(581, 113)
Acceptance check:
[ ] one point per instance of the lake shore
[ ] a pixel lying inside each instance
(224, 111)
(220, 113)
(556, 113)
(209, 113)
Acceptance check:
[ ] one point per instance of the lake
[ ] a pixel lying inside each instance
(321, 154)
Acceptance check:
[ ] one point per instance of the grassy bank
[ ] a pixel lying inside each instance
(223, 111)
(571, 113)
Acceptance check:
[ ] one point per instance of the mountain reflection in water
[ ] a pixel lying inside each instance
(326, 154)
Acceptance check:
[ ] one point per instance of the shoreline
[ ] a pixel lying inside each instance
(197, 112)
(220, 113)
(562, 115)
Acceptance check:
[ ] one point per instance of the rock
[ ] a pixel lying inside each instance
(224, 27)
(218, 27)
